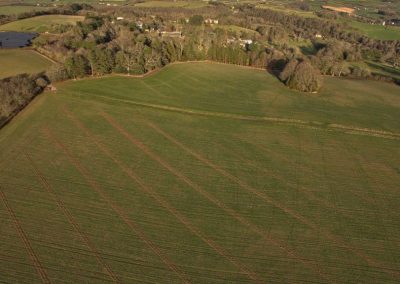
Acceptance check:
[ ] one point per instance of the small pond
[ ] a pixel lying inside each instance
(15, 39)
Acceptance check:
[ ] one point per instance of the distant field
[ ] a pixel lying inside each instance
(377, 31)
(167, 4)
(41, 23)
(17, 61)
(202, 173)
(14, 10)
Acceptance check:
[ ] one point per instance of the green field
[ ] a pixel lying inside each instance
(172, 4)
(202, 173)
(376, 31)
(17, 61)
(40, 23)
(15, 10)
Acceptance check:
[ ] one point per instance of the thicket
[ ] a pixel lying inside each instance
(16, 92)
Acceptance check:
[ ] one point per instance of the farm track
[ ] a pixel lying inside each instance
(72, 220)
(208, 196)
(287, 121)
(336, 239)
(306, 191)
(41, 271)
(183, 220)
(119, 211)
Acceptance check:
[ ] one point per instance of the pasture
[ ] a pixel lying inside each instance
(172, 4)
(15, 10)
(17, 61)
(41, 24)
(202, 173)
(375, 31)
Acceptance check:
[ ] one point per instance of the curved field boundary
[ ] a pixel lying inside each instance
(231, 212)
(39, 268)
(263, 196)
(288, 121)
(119, 211)
(182, 219)
(71, 220)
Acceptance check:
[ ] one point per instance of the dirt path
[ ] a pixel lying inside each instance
(119, 211)
(71, 220)
(334, 238)
(287, 121)
(204, 193)
(39, 268)
(182, 219)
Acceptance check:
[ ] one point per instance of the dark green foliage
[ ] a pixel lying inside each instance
(301, 76)
(77, 66)
(101, 61)
(196, 20)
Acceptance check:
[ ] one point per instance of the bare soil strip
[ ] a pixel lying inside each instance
(71, 220)
(208, 196)
(182, 219)
(119, 211)
(39, 268)
(336, 239)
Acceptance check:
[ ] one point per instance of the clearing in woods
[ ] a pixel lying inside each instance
(202, 173)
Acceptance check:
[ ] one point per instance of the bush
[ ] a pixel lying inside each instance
(196, 20)
(16, 92)
(57, 73)
(360, 72)
(301, 76)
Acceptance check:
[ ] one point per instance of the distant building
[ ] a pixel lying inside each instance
(120, 18)
(171, 34)
(318, 36)
(211, 21)
(244, 42)
(139, 25)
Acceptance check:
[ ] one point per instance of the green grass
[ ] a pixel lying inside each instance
(15, 10)
(17, 61)
(376, 31)
(185, 156)
(41, 23)
(172, 4)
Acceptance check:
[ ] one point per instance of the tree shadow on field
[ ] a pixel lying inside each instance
(275, 67)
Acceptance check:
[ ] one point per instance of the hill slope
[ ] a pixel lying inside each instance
(179, 177)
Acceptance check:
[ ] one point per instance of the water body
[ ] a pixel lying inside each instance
(15, 39)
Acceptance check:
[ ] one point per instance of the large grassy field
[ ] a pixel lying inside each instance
(376, 31)
(172, 4)
(40, 23)
(17, 61)
(14, 10)
(202, 173)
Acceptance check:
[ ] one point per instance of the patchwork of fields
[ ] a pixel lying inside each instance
(202, 173)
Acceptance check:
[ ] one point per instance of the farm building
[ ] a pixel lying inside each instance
(211, 21)
(171, 34)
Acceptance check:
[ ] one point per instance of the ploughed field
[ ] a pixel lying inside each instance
(202, 173)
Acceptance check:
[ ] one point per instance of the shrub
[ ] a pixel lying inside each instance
(303, 77)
